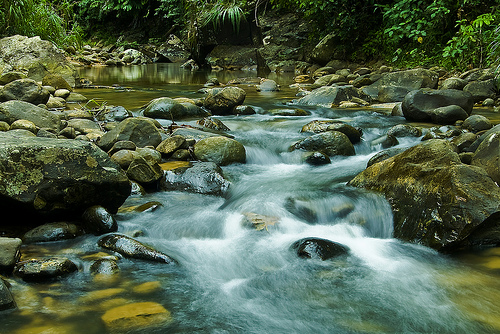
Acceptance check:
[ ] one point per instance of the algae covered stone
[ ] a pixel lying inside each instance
(221, 150)
(136, 316)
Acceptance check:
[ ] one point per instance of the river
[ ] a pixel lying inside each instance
(234, 279)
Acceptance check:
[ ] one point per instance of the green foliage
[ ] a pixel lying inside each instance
(37, 18)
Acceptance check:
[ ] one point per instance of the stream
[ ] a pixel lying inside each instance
(234, 279)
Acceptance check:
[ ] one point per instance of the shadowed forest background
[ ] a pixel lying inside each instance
(455, 34)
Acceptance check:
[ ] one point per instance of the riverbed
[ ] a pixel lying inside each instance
(235, 279)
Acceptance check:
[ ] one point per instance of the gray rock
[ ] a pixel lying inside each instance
(448, 114)
(15, 110)
(330, 143)
(318, 126)
(6, 299)
(167, 108)
(26, 90)
(481, 90)
(144, 173)
(140, 130)
(332, 95)
(419, 104)
(477, 123)
(392, 94)
(10, 252)
(199, 177)
(453, 83)
(404, 130)
(5, 78)
(487, 156)
(168, 146)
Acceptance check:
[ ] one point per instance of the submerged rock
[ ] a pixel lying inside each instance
(131, 248)
(437, 201)
(136, 316)
(317, 248)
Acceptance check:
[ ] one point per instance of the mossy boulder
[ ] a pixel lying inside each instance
(12, 111)
(221, 150)
(222, 101)
(330, 143)
(437, 201)
(168, 108)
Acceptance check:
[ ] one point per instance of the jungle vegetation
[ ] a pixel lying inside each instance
(456, 34)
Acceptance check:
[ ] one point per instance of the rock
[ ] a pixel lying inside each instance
(56, 103)
(317, 158)
(324, 51)
(404, 130)
(453, 83)
(385, 141)
(5, 78)
(26, 90)
(173, 50)
(487, 156)
(317, 126)
(41, 270)
(63, 93)
(448, 114)
(37, 57)
(477, 123)
(171, 144)
(56, 81)
(24, 125)
(131, 248)
(12, 111)
(288, 112)
(10, 252)
(104, 267)
(212, 123)
(113, 114)
(52, 232)
(134, 57)
(419, 104)
(267, 85)
(144, 173)
(397, 110)
(392, 94)
(258, 222)
(481, 90)
(317, 248)
(385, 154)
(221, 150)
(330, 143)
(409, 79)
(193, 134)
(140, 130)
(167, 108)
(76, 98)
(51, 177)
(198, 177)
(437, 201)
(6, 299)
(222, 101)
(232, 57)
(85, 126)
(136, 316)
(152, 156)
(464, 141)
(122, 145)
(332, 95)
(124, 158)
(243, 110)
(97, 220)
(489, 102)
(328, 80)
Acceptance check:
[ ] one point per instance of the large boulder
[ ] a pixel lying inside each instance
(330, 143)
(168, 108)
(324, 51)
(173, 51)
(45, 177)
(437, 201)
(318, 126)
(36, 56)
(333, 95)
(221, 150)
(481, 90)
(222, 101)
(232, 57)
(487, 156)
(27, 90)
(418, 105)
(405, 80)
(142, 131)
(12, 111)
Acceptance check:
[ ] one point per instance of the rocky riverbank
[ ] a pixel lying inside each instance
(66, 167)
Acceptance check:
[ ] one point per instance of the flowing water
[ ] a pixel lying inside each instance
(234, 279)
